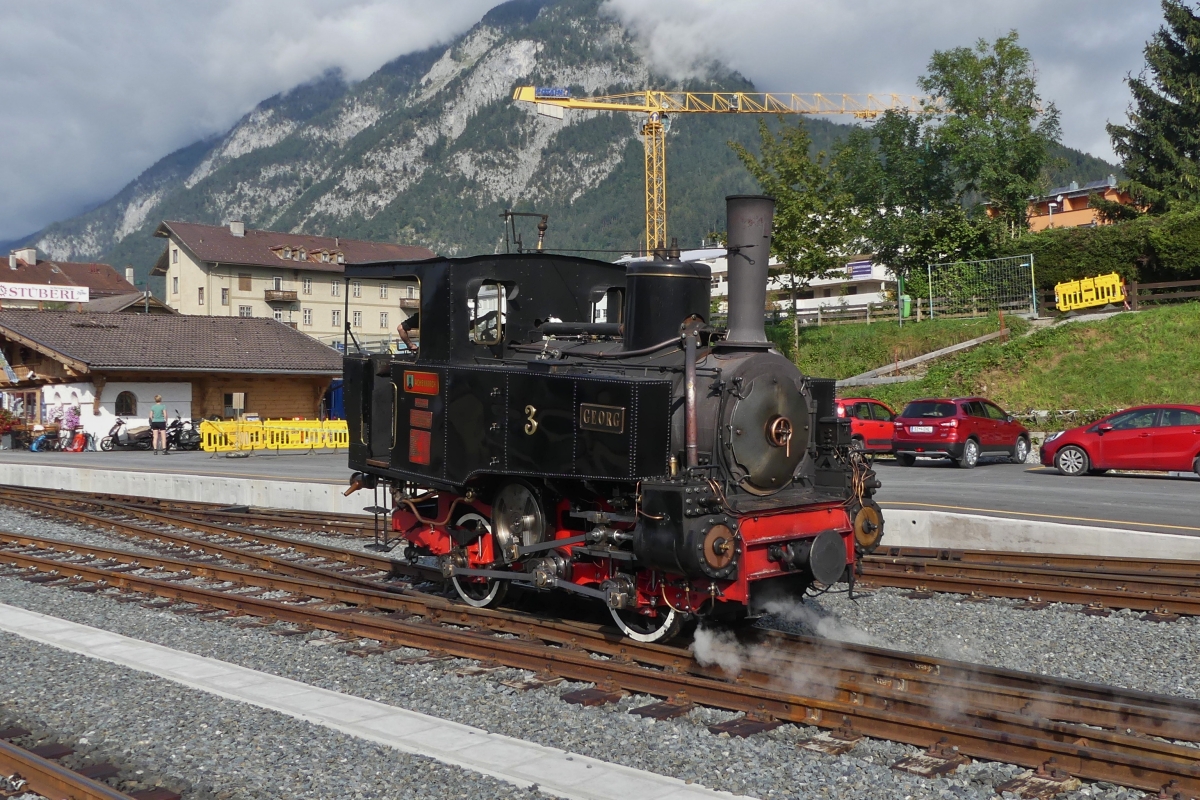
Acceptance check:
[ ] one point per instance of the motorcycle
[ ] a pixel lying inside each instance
(182, 435)
(121, 437)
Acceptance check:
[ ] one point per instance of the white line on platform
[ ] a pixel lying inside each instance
(513, 760)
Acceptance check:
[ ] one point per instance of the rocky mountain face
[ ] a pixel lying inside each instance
(431, 148)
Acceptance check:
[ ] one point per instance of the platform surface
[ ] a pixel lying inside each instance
(514, 760)
(320, 466)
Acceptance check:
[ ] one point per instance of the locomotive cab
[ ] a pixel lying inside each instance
(575, 425)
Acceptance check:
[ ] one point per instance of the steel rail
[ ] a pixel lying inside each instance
(1104, 581)
(347, 525)
(1089, 704)
(1024, 739)
(1107, 565)
(349, 558)
(1058, 586)
(52, 780)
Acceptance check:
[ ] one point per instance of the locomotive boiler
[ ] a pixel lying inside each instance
(666, 468)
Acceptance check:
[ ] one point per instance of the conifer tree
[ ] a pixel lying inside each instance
(1160, 145)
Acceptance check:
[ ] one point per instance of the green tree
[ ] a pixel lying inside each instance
(1160, 146)
(814, 223)
(900, 174)
(996, 130)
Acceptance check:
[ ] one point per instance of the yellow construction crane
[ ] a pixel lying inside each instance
(658, 105)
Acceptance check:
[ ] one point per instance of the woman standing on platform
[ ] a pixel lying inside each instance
(158, 424)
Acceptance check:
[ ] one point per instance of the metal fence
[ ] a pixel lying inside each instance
(970, 288)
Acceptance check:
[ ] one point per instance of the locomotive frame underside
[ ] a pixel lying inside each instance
(688, 478)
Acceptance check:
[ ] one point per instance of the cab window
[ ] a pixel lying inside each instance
(487, 313)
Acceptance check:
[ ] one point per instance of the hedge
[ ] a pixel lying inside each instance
(1148, 248)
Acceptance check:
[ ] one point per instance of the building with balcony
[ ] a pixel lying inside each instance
(1070, 206)
(861, 283)
(234, 271)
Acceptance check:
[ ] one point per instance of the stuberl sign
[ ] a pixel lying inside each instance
(43, 293)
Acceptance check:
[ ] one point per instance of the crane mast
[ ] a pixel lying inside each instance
(658, 105)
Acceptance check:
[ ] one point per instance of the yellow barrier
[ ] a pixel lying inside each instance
(1088, 292)
(279, 434)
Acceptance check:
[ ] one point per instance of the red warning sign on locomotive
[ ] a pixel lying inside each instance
(420, 382)
(419, 446)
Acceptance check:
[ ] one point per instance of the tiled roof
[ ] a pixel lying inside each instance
(120, 302)
(101, 279)
(215, 243)
(173, 342)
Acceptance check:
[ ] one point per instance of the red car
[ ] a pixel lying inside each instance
(1165, 437)
(962, 429)
(870, 423)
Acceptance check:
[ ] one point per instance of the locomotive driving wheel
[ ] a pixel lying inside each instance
(657, 627)
(475, 591)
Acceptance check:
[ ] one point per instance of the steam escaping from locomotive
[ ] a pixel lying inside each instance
(656, 463)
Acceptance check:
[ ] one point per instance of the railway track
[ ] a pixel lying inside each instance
(37, 772)
(1164, 589)
(956, 709)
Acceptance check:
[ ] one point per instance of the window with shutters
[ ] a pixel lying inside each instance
(244, 283)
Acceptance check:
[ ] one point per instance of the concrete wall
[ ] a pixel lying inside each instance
(974, 532)
(301, 495)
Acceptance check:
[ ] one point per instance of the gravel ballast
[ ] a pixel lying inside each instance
(1121, 649)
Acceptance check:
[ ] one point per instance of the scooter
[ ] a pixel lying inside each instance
(182, 435)
(120, 437)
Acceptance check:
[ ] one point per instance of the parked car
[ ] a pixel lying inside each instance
(962, 429)
(1165, 437)
(870, 423)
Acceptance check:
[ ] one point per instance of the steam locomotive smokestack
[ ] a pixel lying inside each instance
(749, 220)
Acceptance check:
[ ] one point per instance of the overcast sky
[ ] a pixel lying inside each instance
(95, 91)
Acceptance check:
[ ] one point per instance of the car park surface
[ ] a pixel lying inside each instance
(964, 430)
(870, 423)
(1158, 437)
(1161, 503)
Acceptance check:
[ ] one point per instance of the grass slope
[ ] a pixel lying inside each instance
(1149, 357)
(840, 351)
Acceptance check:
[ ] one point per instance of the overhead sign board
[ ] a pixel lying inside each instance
(43, 293)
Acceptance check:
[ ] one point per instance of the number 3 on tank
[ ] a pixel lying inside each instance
(531, 423)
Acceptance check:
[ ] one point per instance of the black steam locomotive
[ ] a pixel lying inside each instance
(652, 462)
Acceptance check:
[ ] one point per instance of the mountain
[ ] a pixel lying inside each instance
(430, 149)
